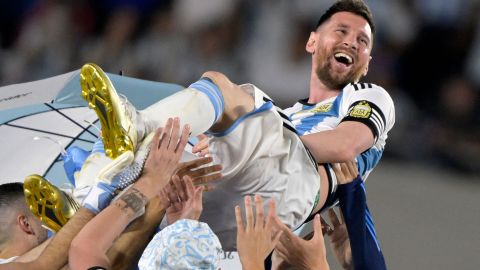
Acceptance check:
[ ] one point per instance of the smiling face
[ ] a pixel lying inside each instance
(341, 49)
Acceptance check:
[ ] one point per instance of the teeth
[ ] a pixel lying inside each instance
(338, 55)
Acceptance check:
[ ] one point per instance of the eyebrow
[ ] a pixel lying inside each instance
(362, 33)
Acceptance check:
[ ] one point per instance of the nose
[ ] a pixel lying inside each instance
(350, 41)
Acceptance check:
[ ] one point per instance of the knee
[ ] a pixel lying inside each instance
(220, 79)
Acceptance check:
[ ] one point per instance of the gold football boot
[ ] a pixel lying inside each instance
(51, 205)
(116, 117)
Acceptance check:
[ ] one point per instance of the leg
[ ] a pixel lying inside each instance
(212, 102)
(237, 101)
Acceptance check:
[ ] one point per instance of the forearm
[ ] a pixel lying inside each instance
(366, 252)
(342, 144)
(90, 246)
(128, 248)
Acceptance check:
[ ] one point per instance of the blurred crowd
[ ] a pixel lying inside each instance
(426, 55)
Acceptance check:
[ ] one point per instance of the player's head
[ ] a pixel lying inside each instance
(19, 228)
(341, 43)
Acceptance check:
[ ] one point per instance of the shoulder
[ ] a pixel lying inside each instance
(368, 91)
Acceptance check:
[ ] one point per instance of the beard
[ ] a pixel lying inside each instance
(333, 80)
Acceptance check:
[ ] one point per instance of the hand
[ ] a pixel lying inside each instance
(201, 148)
(255, 241)
(339, 240)
(183, 199)
(300, 253)
(165, 152)
(345, 172)
(200, 176)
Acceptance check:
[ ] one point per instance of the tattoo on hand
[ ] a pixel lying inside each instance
(134, 200)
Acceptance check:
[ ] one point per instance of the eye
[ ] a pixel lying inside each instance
(364, 41)
(341, 31)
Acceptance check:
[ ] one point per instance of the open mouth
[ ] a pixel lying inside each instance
(343, 58)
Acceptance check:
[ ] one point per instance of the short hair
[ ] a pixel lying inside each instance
(357, 7)
(10, 193)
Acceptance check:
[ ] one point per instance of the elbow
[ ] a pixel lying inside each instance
(346, 153)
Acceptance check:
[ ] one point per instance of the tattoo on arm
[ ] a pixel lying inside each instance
(133, 200)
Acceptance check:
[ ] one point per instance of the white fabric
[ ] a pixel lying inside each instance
(260, 156)
(192, 106)
(4, 261)
(363, 102)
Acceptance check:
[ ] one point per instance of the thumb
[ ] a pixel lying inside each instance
(317, 227)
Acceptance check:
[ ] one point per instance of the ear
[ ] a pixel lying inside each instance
(310, 46)
(24, 224)
(366, 67)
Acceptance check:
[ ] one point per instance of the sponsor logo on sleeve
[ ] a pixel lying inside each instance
(361, 110)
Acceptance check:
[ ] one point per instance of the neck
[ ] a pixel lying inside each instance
(319, 91)
(13, 248)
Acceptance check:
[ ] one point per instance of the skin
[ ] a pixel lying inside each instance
(257, 238)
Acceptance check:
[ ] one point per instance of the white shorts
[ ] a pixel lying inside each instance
(260, 154)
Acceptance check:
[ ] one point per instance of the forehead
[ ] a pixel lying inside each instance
(350, 20)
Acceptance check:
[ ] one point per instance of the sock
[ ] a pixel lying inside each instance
(200, 106)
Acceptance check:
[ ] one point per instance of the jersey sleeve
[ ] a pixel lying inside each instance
(366, 252)
(372, 106)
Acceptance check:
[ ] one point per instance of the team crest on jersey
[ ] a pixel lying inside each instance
(361, 110)
(322, 108)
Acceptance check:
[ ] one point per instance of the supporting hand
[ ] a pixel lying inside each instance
(300, 253)
(257, 238)
(183, 199)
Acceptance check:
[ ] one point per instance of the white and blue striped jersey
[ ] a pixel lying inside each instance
(362, 102)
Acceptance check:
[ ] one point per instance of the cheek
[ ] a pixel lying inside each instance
(364, 58)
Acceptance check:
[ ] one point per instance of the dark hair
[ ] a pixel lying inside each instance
(10, 193)
(357, 7)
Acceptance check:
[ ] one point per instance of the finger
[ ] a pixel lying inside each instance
(325, 226)
(171, 194)
(333, 218)
(166, 133)
(248, 213)
(281, 248)
(338, 173)
(163, 198)
(206, 188)
(189, 188)
(205, 171)
(207, 179)
(272, 213)
(238, 218)
(186, 166)
(201, 145)
(198, 195)
(259, 219)
(276, 238)
(181, 192)
(175, 133)
(352, 168)
(180, 147)
(280, 225)
(205, 153)
(347, 176)
(156, 139)
(317, 228)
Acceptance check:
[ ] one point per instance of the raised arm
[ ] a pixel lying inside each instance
(90, 246)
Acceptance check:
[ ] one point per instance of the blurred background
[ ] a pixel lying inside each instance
(425, 193)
